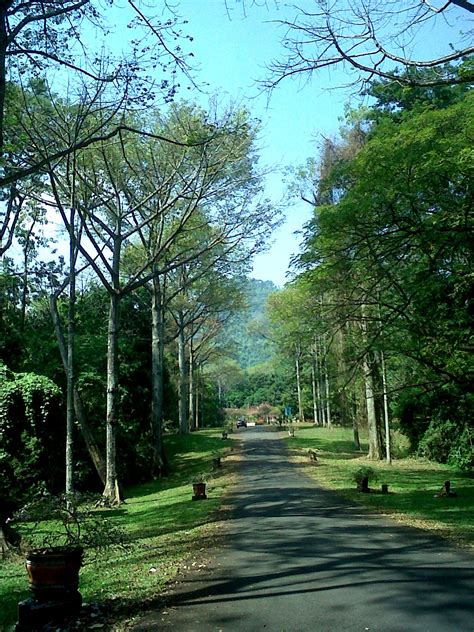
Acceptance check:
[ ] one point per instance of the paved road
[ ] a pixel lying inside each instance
(299, 559)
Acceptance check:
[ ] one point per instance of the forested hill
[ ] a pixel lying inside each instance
(245, 332)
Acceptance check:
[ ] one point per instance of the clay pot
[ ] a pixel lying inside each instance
(54, 573)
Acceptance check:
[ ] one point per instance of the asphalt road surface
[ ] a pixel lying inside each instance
(300, 559)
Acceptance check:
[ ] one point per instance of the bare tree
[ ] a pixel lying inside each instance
(374, 39)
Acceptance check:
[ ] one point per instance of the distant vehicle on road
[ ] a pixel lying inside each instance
(241, 423)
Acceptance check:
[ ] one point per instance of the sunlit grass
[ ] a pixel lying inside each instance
(165, 527)
(412, 483)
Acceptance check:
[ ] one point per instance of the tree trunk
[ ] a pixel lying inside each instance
(375, 449)
(298, 383)
(182, 388)
(3, 68)
(4, 546)
(70, 373)
(326, 383)
(198, 418)
(355, 425)
(321, 409)
(388, 454)
(159, 466)
(191, 389)
(111, 492)
(89, 439)
(315, 394)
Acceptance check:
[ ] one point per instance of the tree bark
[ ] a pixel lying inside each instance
(321, 408)
(355, 424)
(3, 68)
(298, 382)
(326, 384)
(86, 431)
(182, 388)
(70, 372)
(159, 466)
(111, 492)
(191, 389)
(375, 448)
(388, 453)
(315, 394)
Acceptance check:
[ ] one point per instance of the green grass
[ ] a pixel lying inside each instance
(412, 483)
(165, 526)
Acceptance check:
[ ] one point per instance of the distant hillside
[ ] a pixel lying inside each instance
(244, 331)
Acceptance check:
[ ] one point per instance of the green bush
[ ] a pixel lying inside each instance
(400, 444)
(447, 442)
(461, 454)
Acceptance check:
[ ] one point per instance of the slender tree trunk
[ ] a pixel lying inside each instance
(111, 492)
(159, 464)
(198, 386)
(70, 372)
(86, 431)
(375, 448)
(298, 383)
(326, 383)
(24, 292)
(315, 394)
(182, 389)
(355, 425)
(192, 412)
(388, 453)
(4, 545)
(321, 408)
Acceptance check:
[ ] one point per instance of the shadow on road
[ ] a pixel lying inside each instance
(292, 545)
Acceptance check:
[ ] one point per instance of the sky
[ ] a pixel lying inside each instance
(231, 52)
(231, 49)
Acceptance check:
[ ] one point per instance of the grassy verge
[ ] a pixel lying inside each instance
(167, 529)
(412, 483)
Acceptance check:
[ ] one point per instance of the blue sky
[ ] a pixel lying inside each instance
(231, 50)
(231, 53)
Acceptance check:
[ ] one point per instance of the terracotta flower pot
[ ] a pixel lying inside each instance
(199, 490)
(54, 573)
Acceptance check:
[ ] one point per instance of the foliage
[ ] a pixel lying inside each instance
(246, 333)
(66, 521)
(364, 472)
(163, 526)
(389, 254)
(29, 416)
(446, 441)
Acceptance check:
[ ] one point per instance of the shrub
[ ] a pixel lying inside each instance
(447, 442)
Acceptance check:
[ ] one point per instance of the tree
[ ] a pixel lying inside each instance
(373, 39)
(208, 213)
(395, 242)
(38, 34)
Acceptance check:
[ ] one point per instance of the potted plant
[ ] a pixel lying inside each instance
(199, 487)
(55, 532)
(361, 478)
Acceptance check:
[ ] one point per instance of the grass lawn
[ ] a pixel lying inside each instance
(167, 531)
(412, 483)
